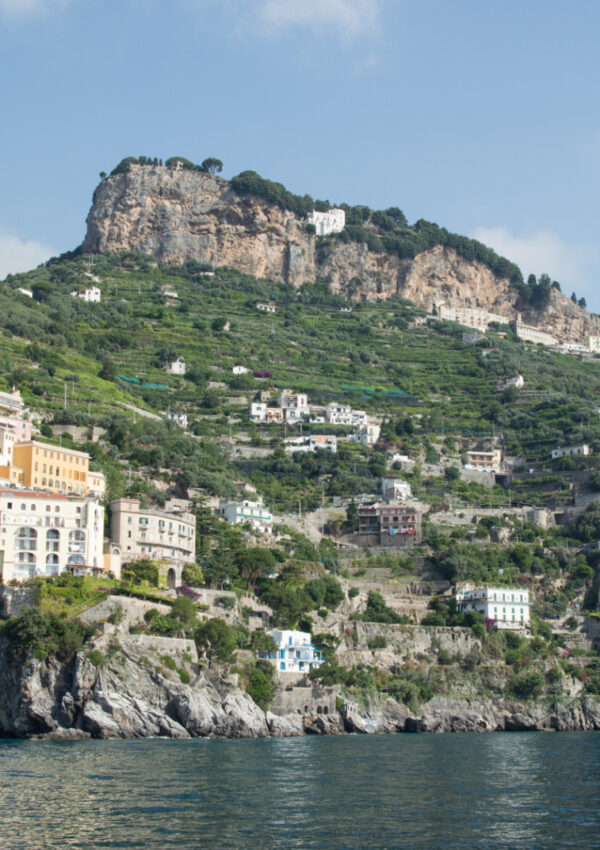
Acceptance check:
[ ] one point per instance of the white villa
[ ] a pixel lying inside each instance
(238, 513)
(507, 607)
(176, 367)
(332, 221)
(394, 489)
(342, 414)
(91, 293)
(294, 654)
(582, 450)
(179, 418)
(367, 434)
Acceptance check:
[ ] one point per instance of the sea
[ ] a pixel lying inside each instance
(496, 790)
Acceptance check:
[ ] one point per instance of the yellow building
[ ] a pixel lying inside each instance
(53, 468)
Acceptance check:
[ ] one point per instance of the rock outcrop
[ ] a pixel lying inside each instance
(177, 215)
(129, 698)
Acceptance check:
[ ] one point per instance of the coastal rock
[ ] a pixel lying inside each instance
(178, 215)
(286, 726)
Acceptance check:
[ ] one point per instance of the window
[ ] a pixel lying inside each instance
(9, 506)
(48, 507)
(26, 539)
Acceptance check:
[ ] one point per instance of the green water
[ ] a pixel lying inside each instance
(499, 790)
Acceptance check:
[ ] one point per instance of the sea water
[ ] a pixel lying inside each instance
(500, 790)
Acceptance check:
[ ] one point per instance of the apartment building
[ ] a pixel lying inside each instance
(489, 460)
(389, 524)
(507, 607)
(44, 534)
(245, 511)
(48, 467)
(167, 534)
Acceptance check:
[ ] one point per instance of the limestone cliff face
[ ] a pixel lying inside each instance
(178, 215)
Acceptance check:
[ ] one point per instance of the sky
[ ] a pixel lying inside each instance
(481, 116)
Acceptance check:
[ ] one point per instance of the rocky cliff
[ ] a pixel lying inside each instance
(177, 215)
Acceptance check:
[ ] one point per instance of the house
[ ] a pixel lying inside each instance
(326, 442)
(295, 652)
(389, 524)
(26, 292)
(176, 367)
(342, 414)
(295, 405)
(48, 467)
(179, 418)
(245, 511)
(155, 534)
(367, 434)
(571, 451)
(258, 411)
(489, 460)
(394, 489)
(240, 370)
(265, 307)
(90, 293)
(332, 221)
(504, 384)
(44, 534)
(274, 414)
(11, 404)
(506, 607)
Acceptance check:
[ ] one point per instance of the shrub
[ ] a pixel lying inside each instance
(184, 676)
(527, 685)
(97, 658)
(168, 662)
(260, 684)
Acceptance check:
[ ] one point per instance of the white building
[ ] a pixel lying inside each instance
(90, 293)
(294, 654)
(395, 489)
(342, 414)
(43, 534)
(332, 221)
(531, 334)
(594, 344)
(176, 367)
(11, 403)
(158, 535)
(26, 292)
(508, 607)
(517, 382)
(471, 317)
(570, 451)
(239, 370)
(179, 418)
(265, 307)
(295, 403)
(254, 513)
(367, 435)
(258, 411)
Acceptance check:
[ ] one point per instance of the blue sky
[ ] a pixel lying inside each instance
(481, 116)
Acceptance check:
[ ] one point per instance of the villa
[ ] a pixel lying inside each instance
(294, 654)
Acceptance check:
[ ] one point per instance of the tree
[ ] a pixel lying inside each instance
(217, 640)
(262, 641)
(102, 175)
(184, 609)
(192, 574)
(582, 303)
(212, 165)
(255, 562)
(108, 372)
(352, 515)
(140, 571)
(451, 473)
(573, 298)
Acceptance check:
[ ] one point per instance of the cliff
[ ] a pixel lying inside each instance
(177, 215)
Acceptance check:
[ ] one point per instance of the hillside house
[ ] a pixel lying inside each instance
(504, 384)
(258, 411)
(342, 414)
(90, 293)
(367, 435)
(332, 221)
(265, 307)
(274, 414)
(489, 460)
(176, 367)
(295, 652)
(180, 419)
(506, 607)
(295, 405)
(581, 450)
(240, 370)
(471, 317)
(395, 489)
(245, 511)
(389, 524)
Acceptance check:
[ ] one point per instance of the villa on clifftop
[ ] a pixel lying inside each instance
(294, 654)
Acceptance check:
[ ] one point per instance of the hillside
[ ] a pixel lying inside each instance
(177, 214)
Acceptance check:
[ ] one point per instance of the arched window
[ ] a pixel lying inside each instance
(75, 560)
(77, 541)
(52, 540)
(48, 507)
(25, 558)
(26, 540)
(52, 560)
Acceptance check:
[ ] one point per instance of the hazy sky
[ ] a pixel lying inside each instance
(480, 115)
